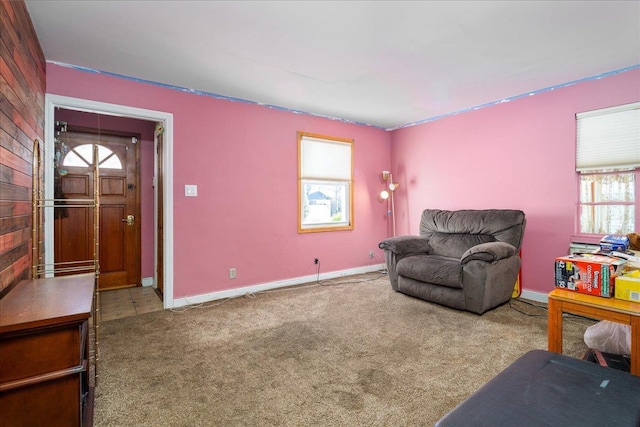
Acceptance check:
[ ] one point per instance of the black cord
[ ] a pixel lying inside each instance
(544, 307)
(530, 304)
(332, 282)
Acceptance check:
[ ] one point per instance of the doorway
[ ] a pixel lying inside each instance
(118, 183)
(164, 199)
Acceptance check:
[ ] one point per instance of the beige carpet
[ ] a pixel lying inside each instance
(351, 354)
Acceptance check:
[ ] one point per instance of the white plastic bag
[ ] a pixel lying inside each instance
(609, 337)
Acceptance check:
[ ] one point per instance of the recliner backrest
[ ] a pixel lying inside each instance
(451, 233)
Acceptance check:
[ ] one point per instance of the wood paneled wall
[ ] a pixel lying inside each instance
(22, 88)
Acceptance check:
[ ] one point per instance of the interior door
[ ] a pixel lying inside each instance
(119, 214)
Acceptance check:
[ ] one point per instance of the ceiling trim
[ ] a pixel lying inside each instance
(275, 107)
(523, 95)
(209, 94)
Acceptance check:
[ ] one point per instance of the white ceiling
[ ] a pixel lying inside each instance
(382, 63)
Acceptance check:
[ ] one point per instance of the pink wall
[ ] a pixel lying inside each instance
(243, 157)
(145, 129)
(519, 155)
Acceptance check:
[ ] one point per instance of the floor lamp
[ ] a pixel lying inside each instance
(388, 196)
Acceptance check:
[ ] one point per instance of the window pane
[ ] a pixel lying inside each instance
(324, 203)
(86, 152)
(112, 162)
(72, 159)
(607, 219)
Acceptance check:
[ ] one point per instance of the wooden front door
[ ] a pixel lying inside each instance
(119, 215)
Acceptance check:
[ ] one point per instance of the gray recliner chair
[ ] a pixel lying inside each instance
(467, 259)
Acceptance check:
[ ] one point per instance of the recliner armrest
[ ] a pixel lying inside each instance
(489, 252)
(402, 245)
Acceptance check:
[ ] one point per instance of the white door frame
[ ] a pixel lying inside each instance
(57, 101)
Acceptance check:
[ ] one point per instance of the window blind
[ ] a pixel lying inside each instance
(325, 159)
(608, 138)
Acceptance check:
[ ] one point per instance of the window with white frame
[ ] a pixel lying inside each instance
(608, 164)
(325, 183)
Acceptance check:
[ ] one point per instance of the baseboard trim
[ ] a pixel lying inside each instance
(231, 293)
(534, 296)
(148, 281)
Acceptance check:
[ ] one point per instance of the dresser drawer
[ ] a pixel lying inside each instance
(49, 404)
(40, 351)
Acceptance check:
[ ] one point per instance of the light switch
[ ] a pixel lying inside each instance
(191, 190)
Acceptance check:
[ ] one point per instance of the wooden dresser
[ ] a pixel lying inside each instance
(44, 352)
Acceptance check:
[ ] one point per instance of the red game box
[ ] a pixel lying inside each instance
(588, 273)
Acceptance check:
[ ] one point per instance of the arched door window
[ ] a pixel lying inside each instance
(82, 156)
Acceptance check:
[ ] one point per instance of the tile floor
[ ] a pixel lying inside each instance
(128, 302)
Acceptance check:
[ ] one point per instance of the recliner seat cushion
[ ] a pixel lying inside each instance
(433, 269)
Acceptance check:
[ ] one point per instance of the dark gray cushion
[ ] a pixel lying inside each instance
(434, 269)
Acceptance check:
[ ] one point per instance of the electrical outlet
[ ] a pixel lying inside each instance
(232, 273)
(316, 260)
(191, 190)
(371, 254)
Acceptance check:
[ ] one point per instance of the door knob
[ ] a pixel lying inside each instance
(130, 220)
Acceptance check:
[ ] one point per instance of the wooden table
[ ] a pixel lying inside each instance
(612, 309)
